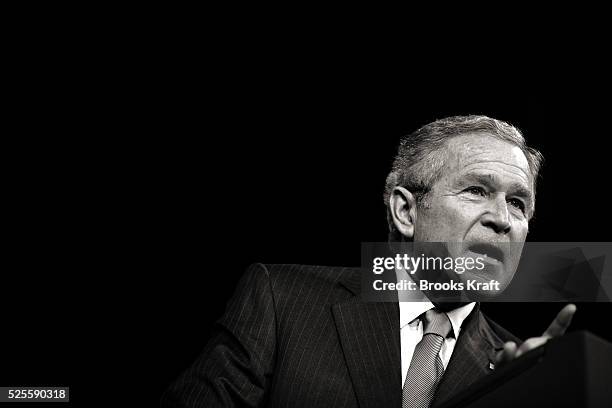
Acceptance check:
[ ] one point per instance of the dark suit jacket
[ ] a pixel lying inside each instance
(299, 336)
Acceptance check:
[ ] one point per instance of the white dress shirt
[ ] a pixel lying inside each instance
(411, 330)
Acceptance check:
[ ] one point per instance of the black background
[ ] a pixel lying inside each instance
(139, 193)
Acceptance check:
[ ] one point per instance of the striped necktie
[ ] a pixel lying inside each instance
(426, 367)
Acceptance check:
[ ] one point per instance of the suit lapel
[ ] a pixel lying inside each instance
(473, 353)
(370, 340)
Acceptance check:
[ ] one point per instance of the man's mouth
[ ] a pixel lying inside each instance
(490, 253)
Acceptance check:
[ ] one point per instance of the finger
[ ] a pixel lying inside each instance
(561, 322)
(530, 344)
(507, 354)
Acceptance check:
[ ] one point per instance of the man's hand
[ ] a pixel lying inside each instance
(556, 329)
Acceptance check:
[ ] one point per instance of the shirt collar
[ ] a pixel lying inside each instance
(409, 311)
(412, 310)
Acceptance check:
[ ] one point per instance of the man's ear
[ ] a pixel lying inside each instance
(402, 208)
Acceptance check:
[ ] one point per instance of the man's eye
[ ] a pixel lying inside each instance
(476, 190)
(517, 203)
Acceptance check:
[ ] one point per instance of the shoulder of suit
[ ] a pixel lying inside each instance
(302, 280)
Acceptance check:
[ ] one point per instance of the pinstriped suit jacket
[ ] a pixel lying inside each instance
(298, 336)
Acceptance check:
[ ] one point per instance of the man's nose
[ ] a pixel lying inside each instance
(497, 216)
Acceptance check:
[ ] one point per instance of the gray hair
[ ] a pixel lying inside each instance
(419, 162)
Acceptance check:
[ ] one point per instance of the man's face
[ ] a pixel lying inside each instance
(481, 203)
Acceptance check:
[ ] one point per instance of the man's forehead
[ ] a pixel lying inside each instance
(481, 148)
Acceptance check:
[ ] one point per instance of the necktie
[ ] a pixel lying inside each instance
(426, 367)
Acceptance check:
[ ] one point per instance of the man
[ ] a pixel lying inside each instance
(300, 335)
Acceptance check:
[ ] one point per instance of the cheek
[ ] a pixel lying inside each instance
(520, 231)
(443, 223)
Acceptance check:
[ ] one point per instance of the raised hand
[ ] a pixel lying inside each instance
(557, 328)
